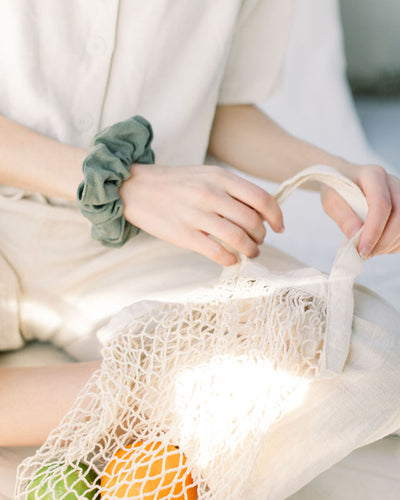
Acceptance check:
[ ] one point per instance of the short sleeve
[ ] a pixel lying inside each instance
(254, 66)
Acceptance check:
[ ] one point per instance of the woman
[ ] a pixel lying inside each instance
(194, 70)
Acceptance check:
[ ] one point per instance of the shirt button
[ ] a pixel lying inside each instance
(83, 122)
(96, 45)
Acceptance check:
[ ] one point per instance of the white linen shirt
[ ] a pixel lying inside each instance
(71, 67)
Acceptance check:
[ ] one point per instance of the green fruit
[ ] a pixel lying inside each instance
(51, 483)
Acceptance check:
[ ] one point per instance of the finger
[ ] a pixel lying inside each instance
(257, 199)
(390, 239)
(203, 244)
(394, 248)
(241, 215)
(335, 206)
(228, 233)
(376, 190)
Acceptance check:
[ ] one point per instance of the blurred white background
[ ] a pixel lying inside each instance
(372, 42)
(372, 47)
(316, 104)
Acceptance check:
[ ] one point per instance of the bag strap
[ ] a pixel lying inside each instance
(346, 188)
(346, 266)
(347, 262)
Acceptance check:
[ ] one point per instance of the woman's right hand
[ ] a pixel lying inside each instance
(193, 206)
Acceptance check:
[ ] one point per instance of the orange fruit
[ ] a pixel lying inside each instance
(148, 472)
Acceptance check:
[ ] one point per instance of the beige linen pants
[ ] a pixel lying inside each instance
(59, 285)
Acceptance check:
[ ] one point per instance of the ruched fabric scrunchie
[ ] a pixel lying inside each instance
(105, 168)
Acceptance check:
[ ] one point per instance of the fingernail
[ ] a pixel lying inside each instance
(365, 251)
(281, 229)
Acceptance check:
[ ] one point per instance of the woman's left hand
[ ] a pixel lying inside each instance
(381, 233)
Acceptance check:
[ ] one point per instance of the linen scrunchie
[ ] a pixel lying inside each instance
(105, 168)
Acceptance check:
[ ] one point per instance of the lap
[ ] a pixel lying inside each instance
(71, 285)
(65, 285)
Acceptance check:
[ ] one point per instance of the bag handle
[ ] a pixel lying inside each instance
(329, 176)
(347, 260)
(346, 267)
(348, 190)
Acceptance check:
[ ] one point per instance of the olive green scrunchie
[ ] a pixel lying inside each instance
(105, 168)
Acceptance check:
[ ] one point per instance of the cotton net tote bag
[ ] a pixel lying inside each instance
(187, 390)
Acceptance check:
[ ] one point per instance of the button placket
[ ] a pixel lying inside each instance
(96, 45)
(92, 85)
(83, 122)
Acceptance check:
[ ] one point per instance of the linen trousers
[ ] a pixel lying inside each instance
(60, 286)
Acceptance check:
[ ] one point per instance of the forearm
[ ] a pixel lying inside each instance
(244, 137)
(37, 163)
(34, 399)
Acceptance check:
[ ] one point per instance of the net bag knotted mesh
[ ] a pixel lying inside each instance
(187, 391)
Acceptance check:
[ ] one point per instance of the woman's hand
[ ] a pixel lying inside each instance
(381, 233)
(191, 206)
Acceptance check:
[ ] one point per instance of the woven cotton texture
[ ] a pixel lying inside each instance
(159, 384)
(187, 391)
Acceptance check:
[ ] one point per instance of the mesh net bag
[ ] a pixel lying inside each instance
(186, 391)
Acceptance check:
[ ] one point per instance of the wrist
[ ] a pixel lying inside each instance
(105, 169)
(345, 167)
(127, 189)
(317, 156)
